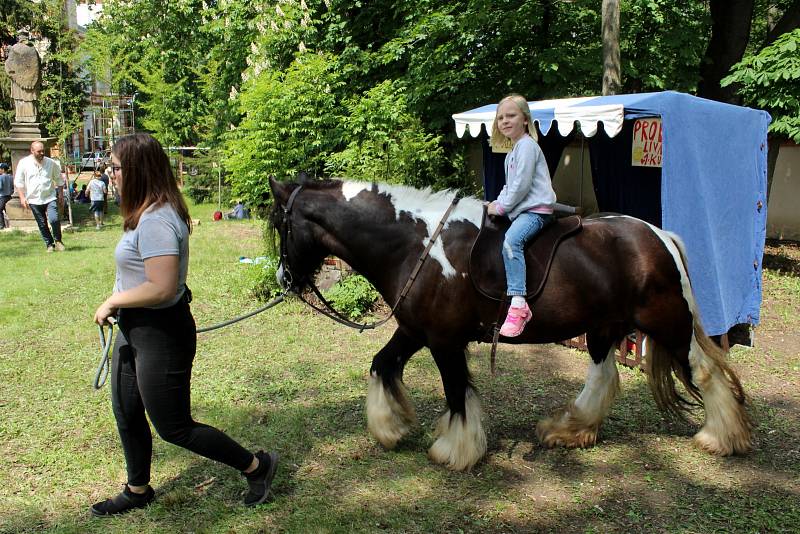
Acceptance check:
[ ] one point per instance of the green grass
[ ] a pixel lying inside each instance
(295, 382)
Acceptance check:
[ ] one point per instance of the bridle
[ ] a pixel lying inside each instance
(328, 310)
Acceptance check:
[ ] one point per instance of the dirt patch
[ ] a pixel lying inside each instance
(776, 355)
(782, 256)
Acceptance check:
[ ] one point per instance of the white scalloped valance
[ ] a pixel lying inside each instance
(566, 112)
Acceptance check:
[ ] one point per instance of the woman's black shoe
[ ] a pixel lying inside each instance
(124, 502)
(260, 480)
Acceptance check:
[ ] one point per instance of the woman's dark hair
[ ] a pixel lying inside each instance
(147, 179)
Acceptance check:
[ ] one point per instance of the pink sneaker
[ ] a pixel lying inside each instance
(515, 321)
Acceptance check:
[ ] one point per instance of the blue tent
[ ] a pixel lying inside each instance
(712, 184)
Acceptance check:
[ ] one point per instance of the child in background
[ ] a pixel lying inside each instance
(97, 194)
(527, 199)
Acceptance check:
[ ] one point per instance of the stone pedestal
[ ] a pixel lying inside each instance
(18, 142)
(21, 136)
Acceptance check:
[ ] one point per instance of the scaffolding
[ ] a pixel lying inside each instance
(111, 116)
(107, 118)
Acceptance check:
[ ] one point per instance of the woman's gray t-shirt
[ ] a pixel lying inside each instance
(160, 232)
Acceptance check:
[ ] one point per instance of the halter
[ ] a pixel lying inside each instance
(330, 311)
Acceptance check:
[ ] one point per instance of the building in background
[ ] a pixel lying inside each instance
(108, 115)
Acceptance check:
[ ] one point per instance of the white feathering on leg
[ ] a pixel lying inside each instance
(388, 418)
(461, 441)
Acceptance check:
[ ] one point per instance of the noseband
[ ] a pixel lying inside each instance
(330, 311)
(287, 211)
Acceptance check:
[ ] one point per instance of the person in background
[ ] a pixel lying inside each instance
(155, 347)
(97, 195)
(527, 199)
(239, 211)
(113, 187)
(6, 190)
(83, 196)
(105, 178)
(38, 182)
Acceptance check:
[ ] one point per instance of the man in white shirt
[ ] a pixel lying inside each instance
(38, 183)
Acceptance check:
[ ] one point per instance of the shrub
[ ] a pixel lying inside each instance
(386, 141)
(353, 296)
(261, 279)
(291, 120)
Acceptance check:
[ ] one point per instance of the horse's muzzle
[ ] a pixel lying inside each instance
(280, 275)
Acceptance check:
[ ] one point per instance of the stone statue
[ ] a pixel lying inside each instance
(24, 68)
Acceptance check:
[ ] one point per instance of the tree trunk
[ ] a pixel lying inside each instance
(788, 22)
(773, 148)
(730, 32)
(611, 61)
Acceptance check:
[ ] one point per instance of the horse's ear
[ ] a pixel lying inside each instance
(279, 190)
(303, 178)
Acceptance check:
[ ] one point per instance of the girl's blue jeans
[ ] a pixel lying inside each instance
(522, 229)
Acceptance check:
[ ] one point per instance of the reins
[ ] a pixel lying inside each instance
(268, 305)
(329, 311)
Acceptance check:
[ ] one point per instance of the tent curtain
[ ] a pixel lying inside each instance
(619, 186)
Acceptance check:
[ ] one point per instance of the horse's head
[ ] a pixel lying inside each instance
(301, 251)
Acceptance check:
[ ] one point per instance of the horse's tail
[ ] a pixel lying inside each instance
(709, 348)
(703, 370)
(662, 362)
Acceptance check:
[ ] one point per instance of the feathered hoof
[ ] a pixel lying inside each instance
(459, 446)
(389, 418)
(564, 430)
(460, 440)
(726, 445)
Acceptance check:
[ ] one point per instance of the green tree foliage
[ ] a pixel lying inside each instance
(346, 86)
(672, 35)
(387, 142)
(62, 97)
(183, 57)
(154, 48)
(770, 80)
(291, 122)
(228, 31)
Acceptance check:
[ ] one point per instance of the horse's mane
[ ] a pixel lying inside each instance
(424, 195)
(416, 201)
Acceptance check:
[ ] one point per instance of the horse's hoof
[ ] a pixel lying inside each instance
(456, 457)
(728, 446)
(460, 440)
(389, 417)
(564, 432)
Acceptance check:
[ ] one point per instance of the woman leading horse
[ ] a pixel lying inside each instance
(382, 230)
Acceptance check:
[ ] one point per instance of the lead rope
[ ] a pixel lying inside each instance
(106, 343)
(103, 368)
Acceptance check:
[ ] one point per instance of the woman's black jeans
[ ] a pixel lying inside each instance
(151, 373)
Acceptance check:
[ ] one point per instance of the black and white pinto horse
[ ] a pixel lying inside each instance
(618, 273)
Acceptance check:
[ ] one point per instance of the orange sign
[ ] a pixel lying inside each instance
(647, 143)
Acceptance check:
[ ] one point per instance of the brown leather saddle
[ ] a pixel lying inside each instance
(486, 268)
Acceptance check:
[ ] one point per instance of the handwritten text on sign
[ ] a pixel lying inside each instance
(647, 143)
